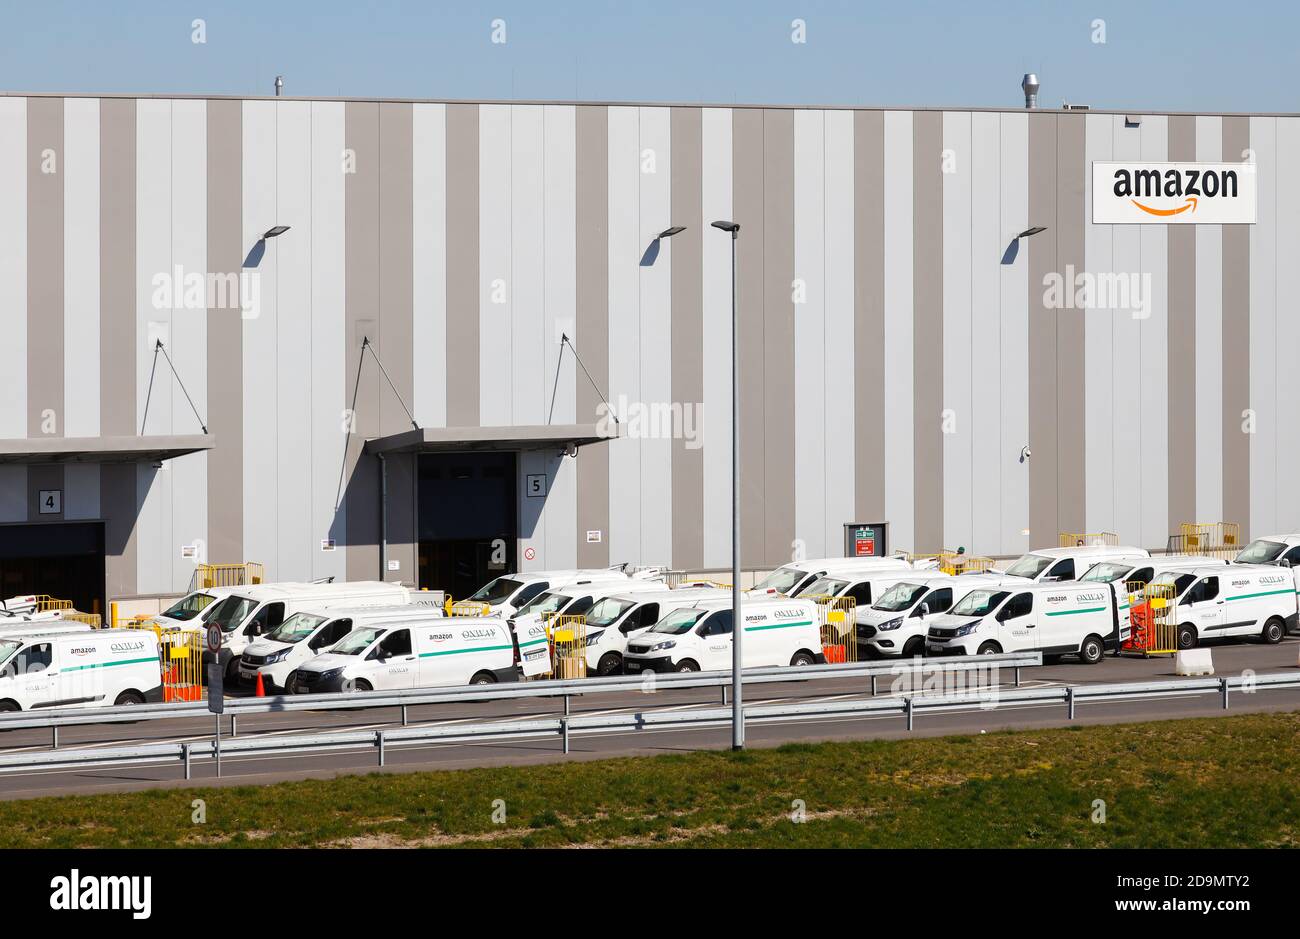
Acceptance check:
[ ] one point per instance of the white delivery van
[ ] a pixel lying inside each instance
(440, 651)
(1232, 600)
(21, 628)
(1281, 550)
(778, 631)
(189, 611)
(507, 593)
(615, 618)
(1120, 571)
(896, 624)
(794, 578)
(307, 633)
(99, 668)
(249, 612)
(529, 623)
(1054, 618)
(1048, 565)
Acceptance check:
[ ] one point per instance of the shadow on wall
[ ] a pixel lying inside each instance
(1008, 256)
(651, 253)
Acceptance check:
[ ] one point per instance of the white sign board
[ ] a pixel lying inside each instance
(51, 501)
(535, 485)
(593, 537)
(1173, 193)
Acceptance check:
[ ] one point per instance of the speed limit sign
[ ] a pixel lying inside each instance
(214, 638)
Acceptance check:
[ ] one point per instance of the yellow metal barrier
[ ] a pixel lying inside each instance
(1213, 539)
(1078, 539)
(207, 576)
(952, 562)
(838, 618)
(180, 652)
(45, 603)
(93, 619)
(468, 608)
(569, 645)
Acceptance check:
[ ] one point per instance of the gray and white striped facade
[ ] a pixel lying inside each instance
(877, 299)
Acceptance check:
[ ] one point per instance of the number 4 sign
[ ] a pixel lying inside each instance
(51, 501)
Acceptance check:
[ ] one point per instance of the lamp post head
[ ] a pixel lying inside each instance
(726, 226)
(674, 230)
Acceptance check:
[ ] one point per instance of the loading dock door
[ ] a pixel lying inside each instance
(468, 519)
(63, 560)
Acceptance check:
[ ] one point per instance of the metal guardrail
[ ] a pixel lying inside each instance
(71, 717)
(380, 740)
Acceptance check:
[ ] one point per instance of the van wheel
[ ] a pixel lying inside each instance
(1092, 651)
(290, 680)
(361, 685)
(8, 706)
(687, 665)
(1187, 636)
(800, 659)
(1274, 630)
(611, 663)
(990, 648)
(129, 697)
(483, 678)
(232, 671)
(914, 647)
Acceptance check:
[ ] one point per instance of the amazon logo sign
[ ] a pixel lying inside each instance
(1173, 193)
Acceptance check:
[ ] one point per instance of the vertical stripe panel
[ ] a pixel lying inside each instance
(927, 330)
(45, 312)
(654, 338)
(81, 495)
(559, 276)
(362, 296)
(293, 340)
(497, 292)
(897, 441)
(591, 212)
(225, 384)
(44, 477)
(188, 475)
(984, 409)
(839, 364)
(1044, 466)
(1111, 394)
(1236, 345)
(261, 403)
(1182, 343)
(81, 268)
(463, 265)
(429, 263)
(1263, 332)
(810, 336)
(1015, 292)
(953, 353)
(715, 200)
(624, 304)
(747, 211)
(329, 352)
(157, 286)
(687, 332)
(13, 266)
(1152, 440)
(778, 335)
(1209, 342)
(1070, 367)
(1287, 194)
(869, 451)
(1131, 369)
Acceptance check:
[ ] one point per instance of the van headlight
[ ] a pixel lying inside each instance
(331, 674)
(666, 644)
(278, 656)
(893, 623)
(592, 638)
(967, 629)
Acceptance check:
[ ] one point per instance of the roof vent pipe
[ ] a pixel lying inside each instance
(279, 84)
(1030, 86)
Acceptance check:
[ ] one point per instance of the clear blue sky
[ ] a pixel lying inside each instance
(1189, 55)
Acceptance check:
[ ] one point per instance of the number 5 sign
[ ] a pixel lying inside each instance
(535, 485)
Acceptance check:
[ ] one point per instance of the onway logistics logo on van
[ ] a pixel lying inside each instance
(1173, 193)
(126, 646)
(478, 634)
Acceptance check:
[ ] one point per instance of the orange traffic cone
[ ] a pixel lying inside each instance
(261, 692)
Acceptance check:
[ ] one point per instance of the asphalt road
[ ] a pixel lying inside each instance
(1229, 659)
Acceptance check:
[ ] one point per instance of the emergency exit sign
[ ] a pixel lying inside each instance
(864, 542)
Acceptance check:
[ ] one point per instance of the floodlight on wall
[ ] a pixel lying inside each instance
(276, 231)
(1030, 232)
(669, 232)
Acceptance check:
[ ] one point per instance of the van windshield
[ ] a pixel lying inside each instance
(296, 628)
(8, 647)
(782, 580)
(608, 611)
(824, 587)
(1179, 582)
(899, 597)
(356, 642)
(1107, 572)
(1261, 551)
(186, 608)
(678, 622)
(497, 591)
(230, 612)
(1030, 566)
(544, 603)
(980, 602)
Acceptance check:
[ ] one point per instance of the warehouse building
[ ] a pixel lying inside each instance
(935, 334)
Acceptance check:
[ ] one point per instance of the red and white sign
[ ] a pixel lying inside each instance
(530, 554)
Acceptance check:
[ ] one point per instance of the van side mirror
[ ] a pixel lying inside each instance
(1284, 563)
(923, 610)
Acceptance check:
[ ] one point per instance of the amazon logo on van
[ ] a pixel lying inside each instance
(439, 637)
(1173, 193)
(756, 618)
(82, 650)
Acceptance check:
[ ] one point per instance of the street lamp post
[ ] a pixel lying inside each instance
(737, 623)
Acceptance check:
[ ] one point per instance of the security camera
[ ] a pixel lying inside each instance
(571, 451)
(1025, 453)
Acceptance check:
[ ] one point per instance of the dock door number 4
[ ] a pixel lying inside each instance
(51, 501)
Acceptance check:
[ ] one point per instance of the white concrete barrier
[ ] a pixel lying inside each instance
(1194, 662)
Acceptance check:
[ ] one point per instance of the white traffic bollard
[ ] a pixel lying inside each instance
(1194, 662)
